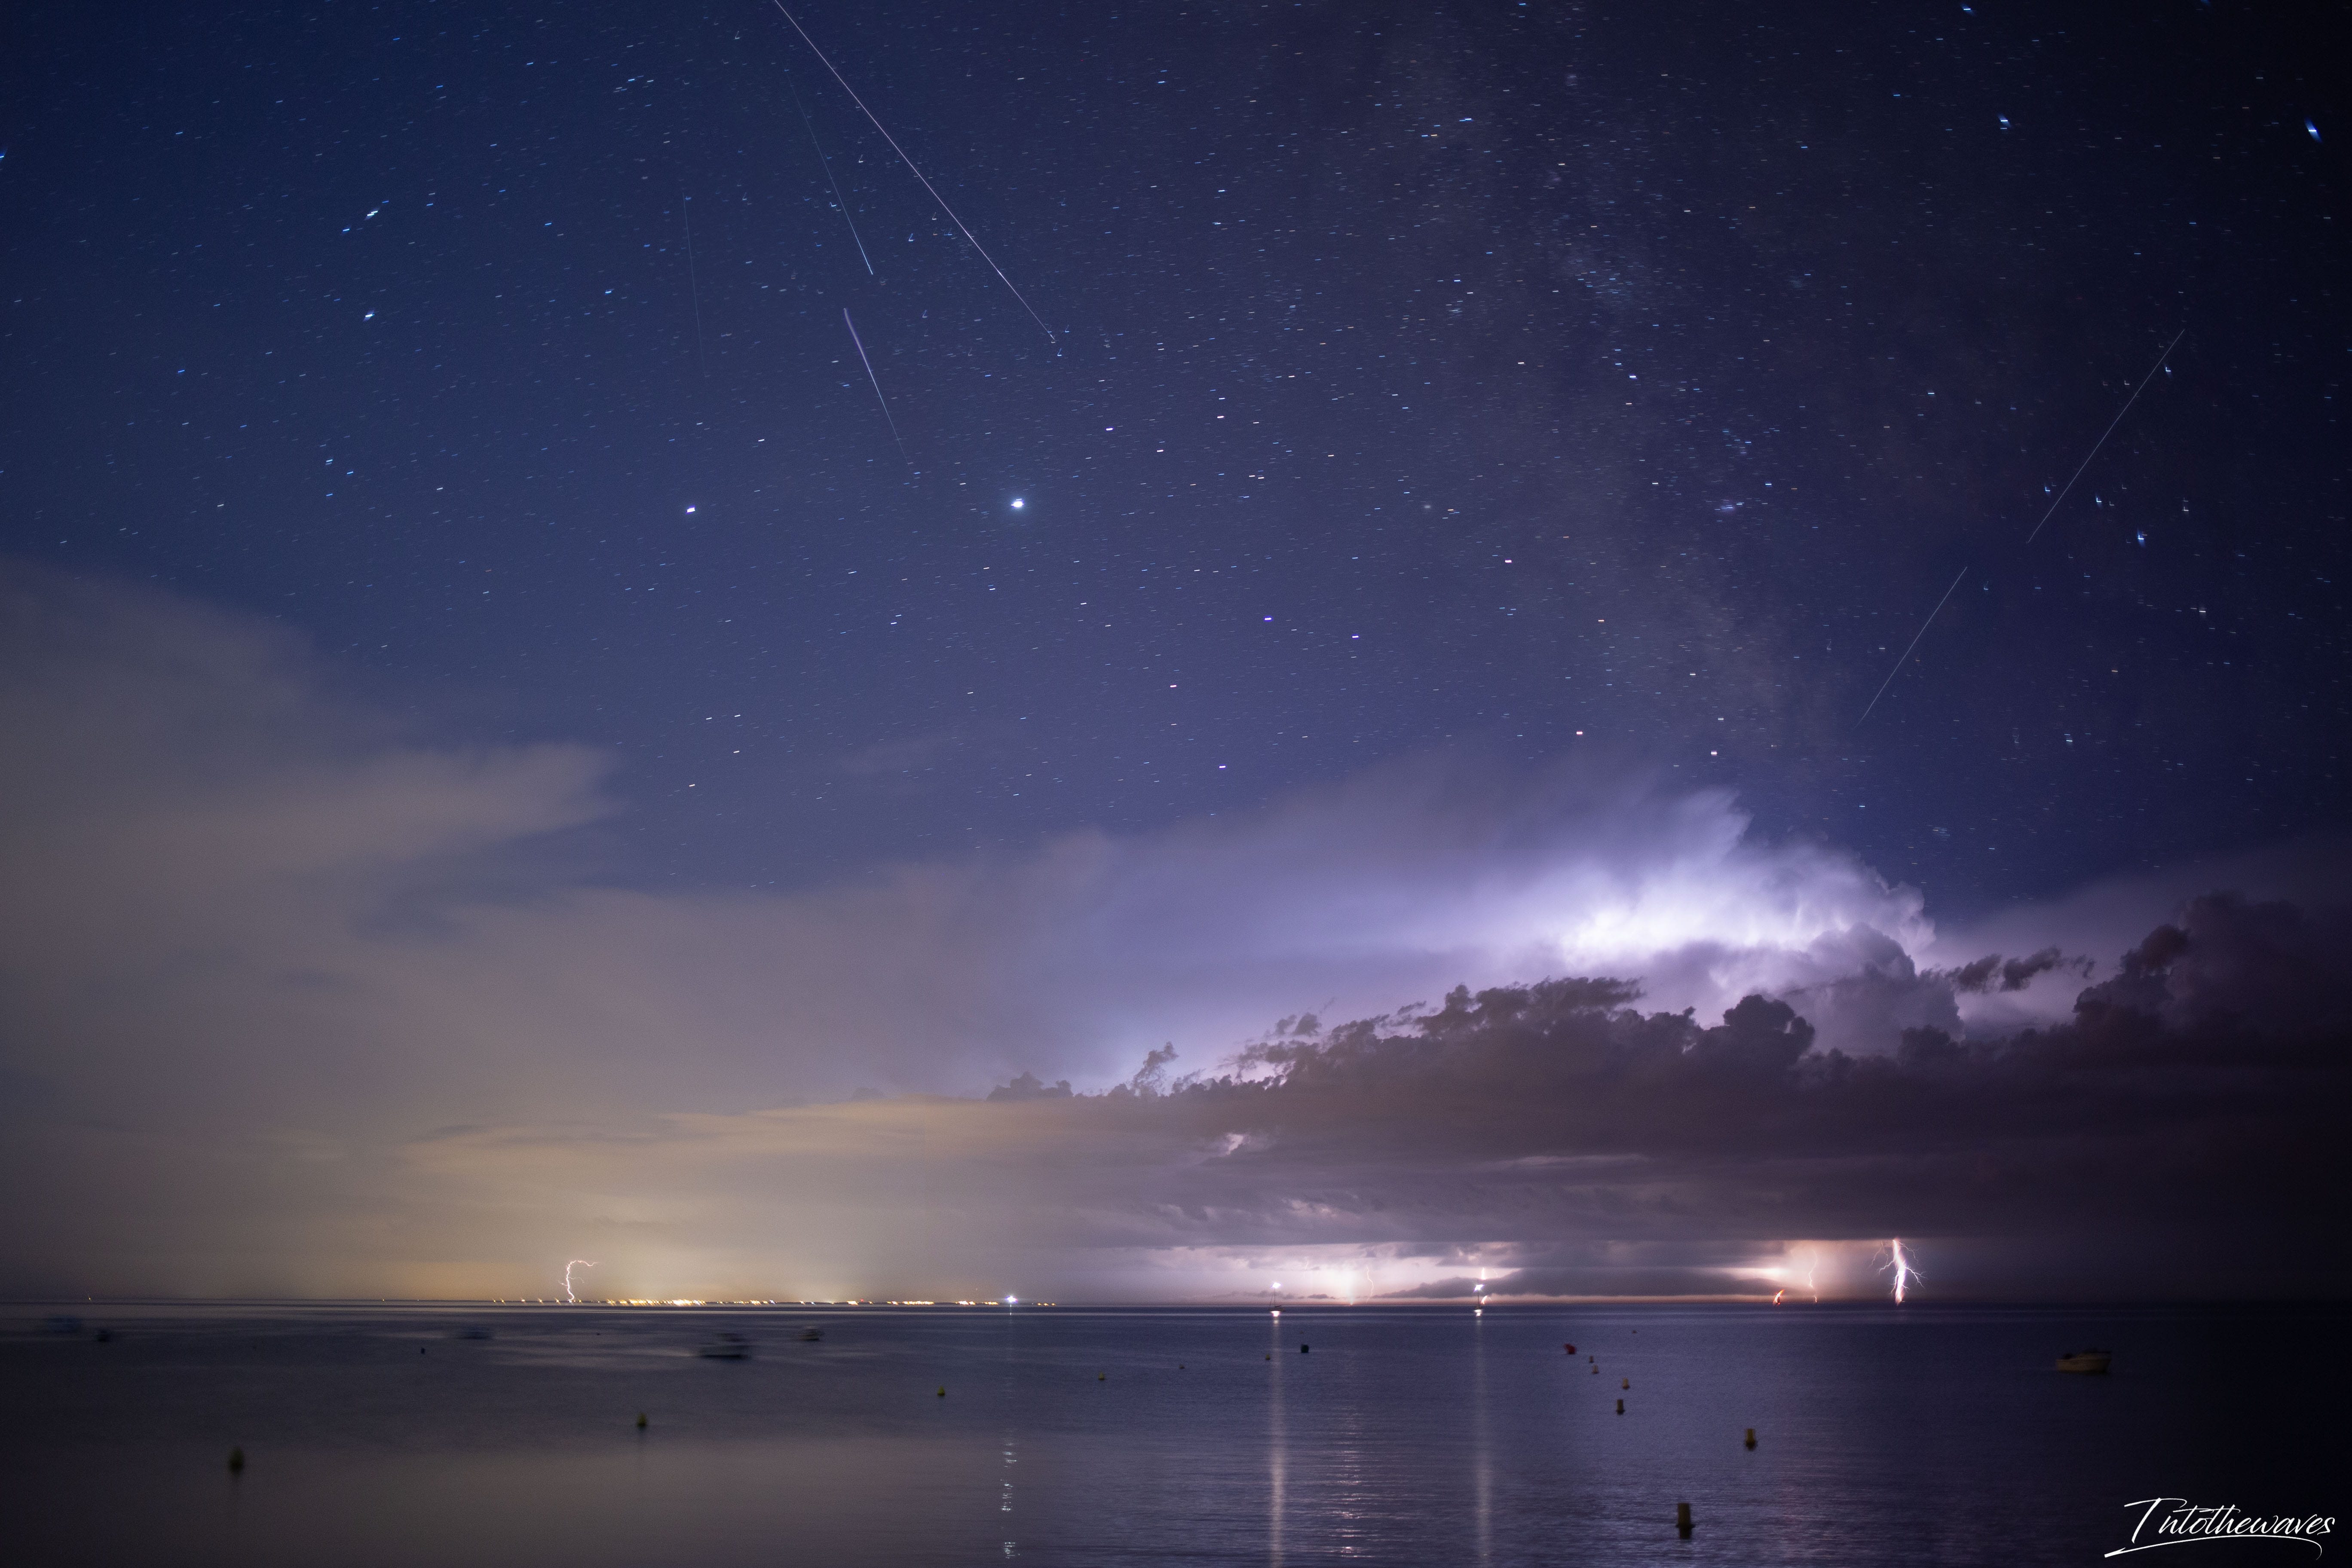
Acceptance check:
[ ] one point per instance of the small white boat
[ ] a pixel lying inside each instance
(2084, 1361)
(727, 1347)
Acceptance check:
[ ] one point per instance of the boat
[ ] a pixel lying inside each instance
(2084, 1361)
(811, 1334)
(727, 1347)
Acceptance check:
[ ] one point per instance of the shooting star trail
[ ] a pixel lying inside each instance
(827, 165)
(694, 290)
(2038, 527)
(926, 184)
(2110, 430)
(878, 387)
(1914, 643)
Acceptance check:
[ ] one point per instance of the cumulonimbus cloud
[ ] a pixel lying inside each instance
(2175, 1134)
(299, 999)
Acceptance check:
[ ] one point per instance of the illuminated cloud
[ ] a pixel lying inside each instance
(305, 998)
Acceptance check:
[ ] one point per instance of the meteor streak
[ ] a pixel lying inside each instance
(575, 1263)
(926, 184)
(694, 289)
(1914, 643)
(2062, 492)
(878, 387)
(827, 165)
(2110, 430)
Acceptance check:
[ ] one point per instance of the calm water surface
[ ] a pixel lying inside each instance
(378, 1434)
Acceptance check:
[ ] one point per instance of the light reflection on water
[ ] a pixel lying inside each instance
(1481, 1456)
(1277, 1444)
(1094, 1438)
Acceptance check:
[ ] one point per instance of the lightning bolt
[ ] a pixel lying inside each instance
(579, 1263)
(1904, 1272)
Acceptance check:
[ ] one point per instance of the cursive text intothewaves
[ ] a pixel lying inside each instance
(2176, 1521)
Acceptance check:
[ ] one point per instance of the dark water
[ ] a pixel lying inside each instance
(1406, 1435)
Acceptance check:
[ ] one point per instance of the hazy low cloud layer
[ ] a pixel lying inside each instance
(2177, 1135)
(298, 998)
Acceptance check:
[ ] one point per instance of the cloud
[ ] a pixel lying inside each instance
(1027, 1087)
(1568, 1142)
(301, 996)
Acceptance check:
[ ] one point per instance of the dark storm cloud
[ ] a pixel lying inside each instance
(2178, 1126)
(301, 997)
(1993, 971)
(2176, 1134)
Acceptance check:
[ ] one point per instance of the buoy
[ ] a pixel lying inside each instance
(1621, 1408)
(1568, 1350)
(1269, 1356)
(1102, 1377)
(1303, 1349)
(237, 1461)
(1626, 1383)
(943, 1391)
(1751, 1436)
(1596, 1371)
(641, 1420)
(1682, 1519)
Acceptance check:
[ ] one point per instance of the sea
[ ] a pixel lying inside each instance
(454, 1433)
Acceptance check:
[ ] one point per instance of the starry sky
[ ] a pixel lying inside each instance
(1362, 450)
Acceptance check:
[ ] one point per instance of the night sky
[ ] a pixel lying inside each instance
(1453, 446)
